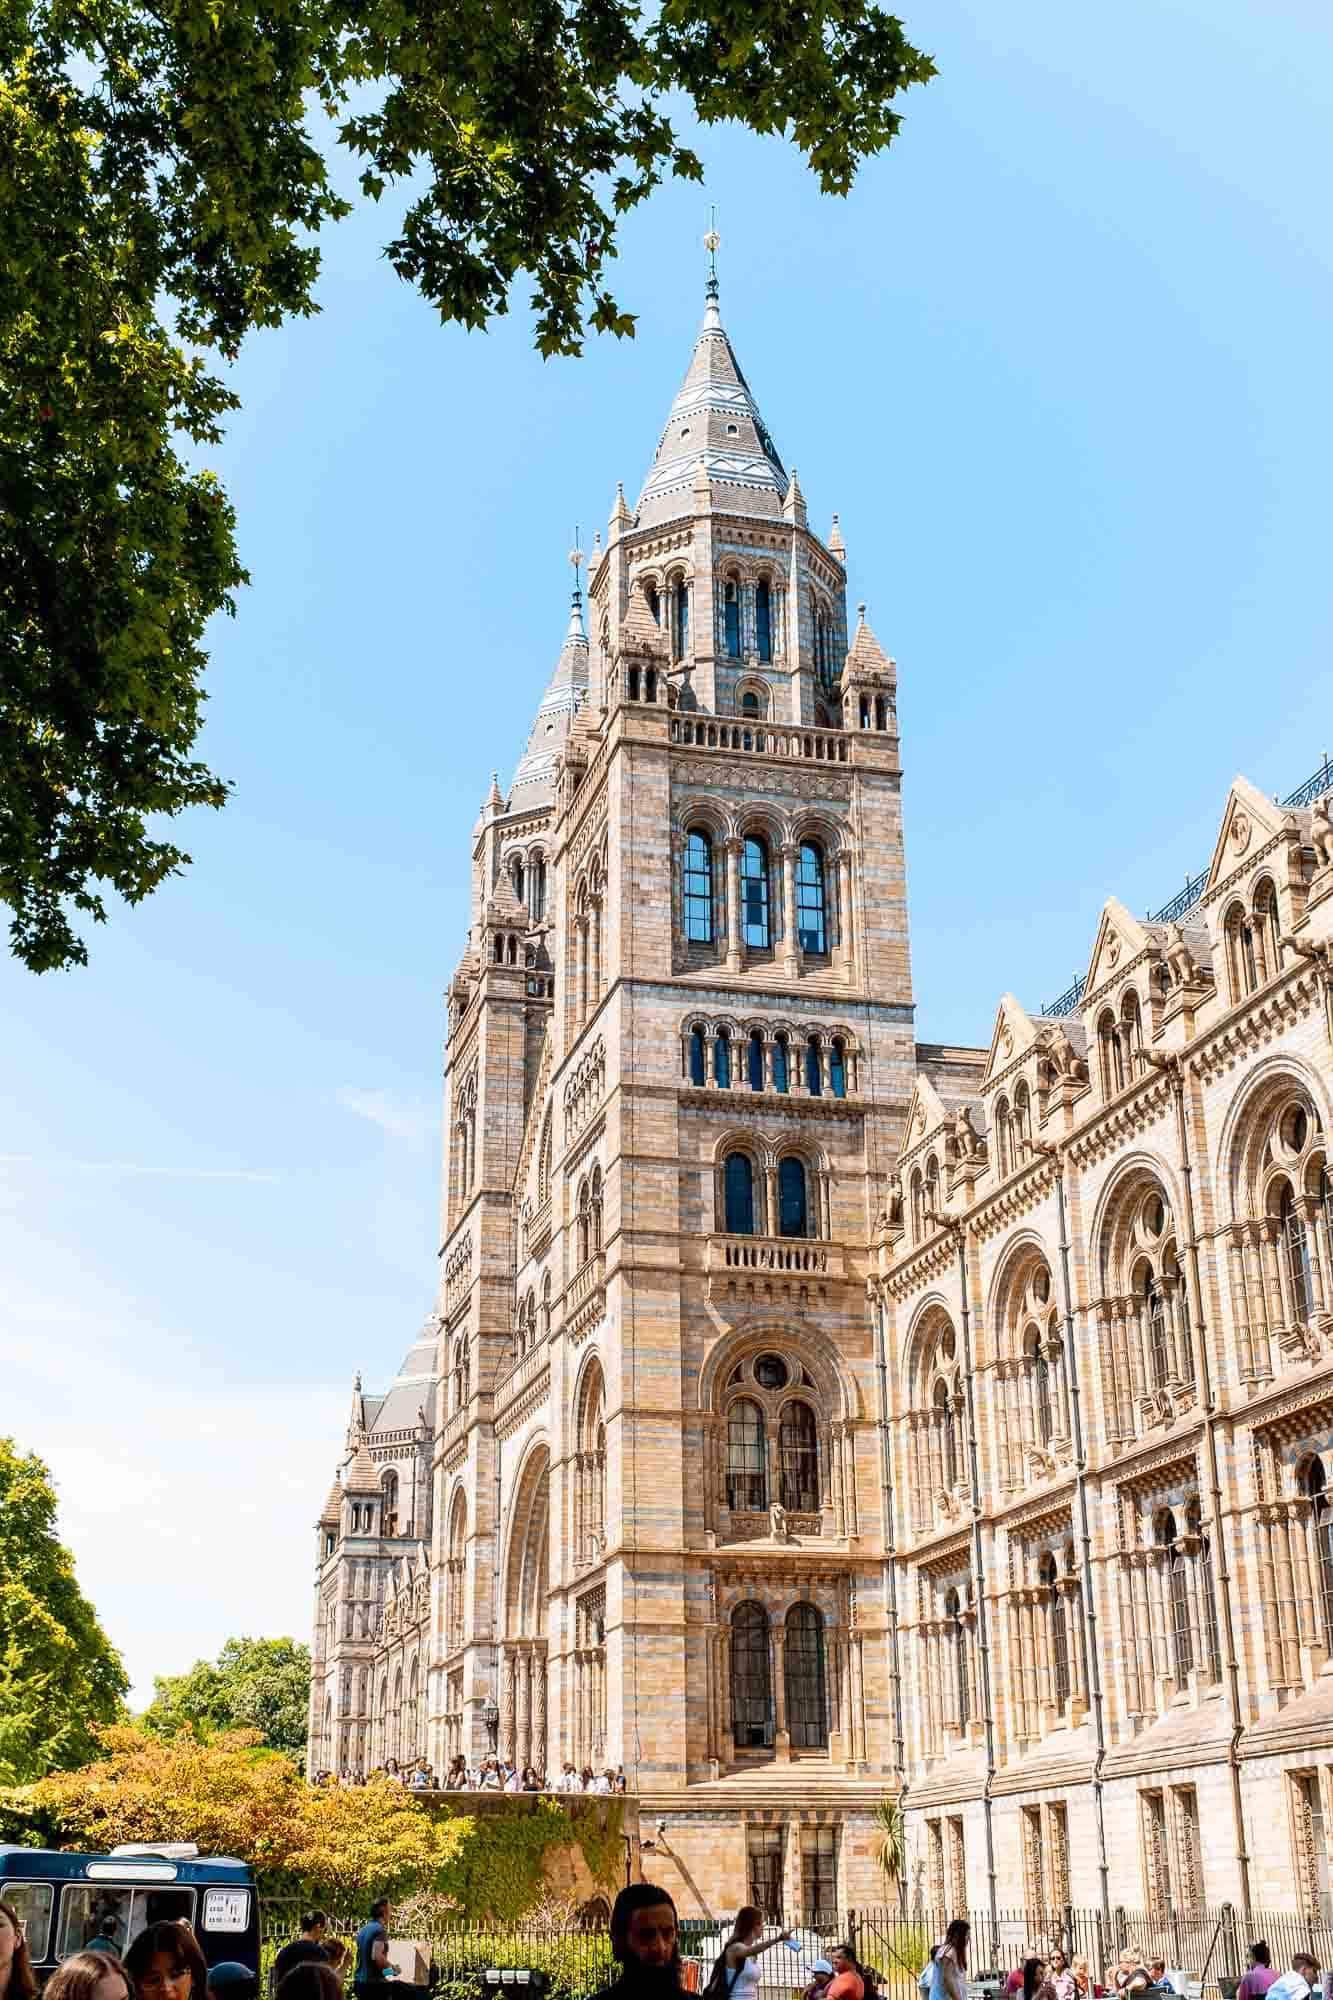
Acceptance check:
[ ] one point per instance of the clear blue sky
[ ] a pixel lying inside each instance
(1060, 363)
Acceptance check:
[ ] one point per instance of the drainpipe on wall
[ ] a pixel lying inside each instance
(1173, 1067)
(1092, 1666)
(890, 1551)
(978, 1558)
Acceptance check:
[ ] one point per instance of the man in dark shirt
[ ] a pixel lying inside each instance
(645, 1945)
(372, 1950)
(310, 1945)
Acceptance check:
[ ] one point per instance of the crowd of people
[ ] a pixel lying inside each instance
(1050, 1973)
(491, 1774)
(164, 1962)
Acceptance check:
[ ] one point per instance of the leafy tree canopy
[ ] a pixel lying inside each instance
(260, 1684)
(161, 187)
(233, 1796)
(59, 1674)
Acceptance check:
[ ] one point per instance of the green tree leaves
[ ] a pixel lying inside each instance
(261, 1684)
(60, 1678)
(160, 193)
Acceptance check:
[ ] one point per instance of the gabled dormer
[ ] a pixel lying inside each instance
(1258, 884)
(1120, 997)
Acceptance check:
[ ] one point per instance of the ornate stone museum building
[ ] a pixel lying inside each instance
(811, 1413)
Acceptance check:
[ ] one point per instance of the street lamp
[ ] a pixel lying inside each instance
(490, 1715)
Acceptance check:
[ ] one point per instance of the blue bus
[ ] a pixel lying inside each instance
(64, 1901)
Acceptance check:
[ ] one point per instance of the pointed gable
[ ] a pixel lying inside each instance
(1120, 937)
(1249, 821)
(1014, 1035)
(925, 1114)
(715, 432)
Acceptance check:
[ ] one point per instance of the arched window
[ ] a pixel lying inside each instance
(1296, 1248)
(763, 619)
(792, 1216)
(1131, 1034)
(1241, 952)
(537, 902)
(953, 1611)
(698, 1072)
(1041, 1390)
(389, 1490)
(1112, 1055)
(462, 1374)
(1321, 1522)
(750, 705)
(1059, 1631)
(698, 887)
(516, 876)
(546, 1304)
(584, 1229)
(681, 619)
(948, 1429)
(1178, 1597)
(722, 1059)
(804, 1678)
(811, 920)
(1022, 1124)
(1004, 1145)
(731, 621)
(654, 603)
(756, 925)
(738, 1186)
(814, 1081)
(798, 1459)
(751, 1678)
(837, 1069)
(1159, 1347)
(934, 1206)
(756, 1059)
(1266, 930)
(595, 1208)
(747, 1459)
(1210, 1637)
(781, 1064)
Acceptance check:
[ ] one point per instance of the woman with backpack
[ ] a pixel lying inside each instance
(736, 1973)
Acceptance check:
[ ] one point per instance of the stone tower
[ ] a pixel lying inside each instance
(679, 1060)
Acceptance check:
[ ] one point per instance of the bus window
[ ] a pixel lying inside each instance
(90, 1913)
(118, 1915)
(32, 1900)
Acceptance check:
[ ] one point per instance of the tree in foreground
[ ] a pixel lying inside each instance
(161, 188)
(60, 1677)
(260, 1684)
(231, 1795)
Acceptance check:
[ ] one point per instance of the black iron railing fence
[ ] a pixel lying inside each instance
(1209, 1946)
(1185, 899)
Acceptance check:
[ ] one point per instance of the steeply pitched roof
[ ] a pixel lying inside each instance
(331, 1511)
(361, 1474)
(566, 692)
(714, 427)
(412, 1389)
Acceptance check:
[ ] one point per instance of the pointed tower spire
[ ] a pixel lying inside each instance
(566, 692)
(793, 502)
(836, 546)
(714, 432)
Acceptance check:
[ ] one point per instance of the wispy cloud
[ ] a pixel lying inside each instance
(403, 1118)
(58, 1164)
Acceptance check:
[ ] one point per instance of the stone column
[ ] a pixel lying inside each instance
(596, 951)
(1318, 1275)
(539, 1721)
(509, 1745)
(770, 1197)
(1278, 1286)
(844, 877)
(732, 850)
(581, 956)
(1260, 1318)
(788, 855)
(781, 1740)
(1240, 1305)
(524, 1751)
